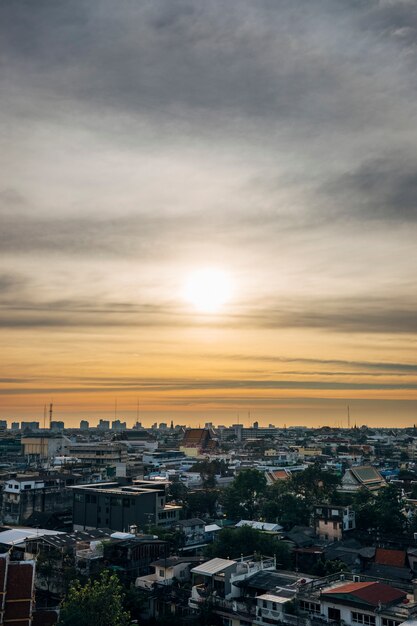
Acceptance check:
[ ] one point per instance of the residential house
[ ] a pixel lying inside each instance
(332, 522)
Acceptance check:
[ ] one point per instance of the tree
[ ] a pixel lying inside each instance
(315, 484)
(286, 509)
(243, 498)
(382, 512)
(202, 503)
(177, 492)
(97, 603)
(233, 542)
(389, 506)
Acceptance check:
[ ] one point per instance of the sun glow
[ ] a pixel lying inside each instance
(208, 290)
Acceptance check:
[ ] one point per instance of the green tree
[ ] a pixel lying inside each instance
(389, 506)
(242, 500)
(286, 509)
(315, 485)
(177, 492)
(202, 503)
(233, 542)
(97, 603)
(382, 512)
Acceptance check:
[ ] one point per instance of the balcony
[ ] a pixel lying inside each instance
(268, 617)
(220, 605)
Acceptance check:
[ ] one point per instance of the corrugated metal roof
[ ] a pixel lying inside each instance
(19, 535)
(370, 592)
(280, 599)
(213, 567)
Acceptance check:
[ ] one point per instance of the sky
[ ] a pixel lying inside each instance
(273, 142)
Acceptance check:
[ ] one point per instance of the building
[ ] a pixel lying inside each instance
(167, 458)
(45, 445)
(167, 570)
(99, 454)
(193, 531)
(84, 425)
(354, 599)
(103, 425)
(362, 477)
(29, 426)
(26, 495)
(57, 426)
(109, 505)
(198, 441)
(332, 522)
(134, 555)
(17, 583)
(118, 426)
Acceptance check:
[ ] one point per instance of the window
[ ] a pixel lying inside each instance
(78, 497)
(362, 618)
(274, 606)
(126, 502)
(310, 607)
(389, 622)
(264, 603)
(334, 525)
(333, 614)
(162, 573)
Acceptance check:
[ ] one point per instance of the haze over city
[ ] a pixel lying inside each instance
(208, 209)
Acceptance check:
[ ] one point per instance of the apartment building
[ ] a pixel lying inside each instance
(110, 505)
(333, 522)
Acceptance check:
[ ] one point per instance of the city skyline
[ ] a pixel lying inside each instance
(262, 153)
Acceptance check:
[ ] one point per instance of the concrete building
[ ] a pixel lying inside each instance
(26, 495)
(45, 445)
(109, 505)
(29, 426)
(332, 522)
(98, 454)
(57, 426)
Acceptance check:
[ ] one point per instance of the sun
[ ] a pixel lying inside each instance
(208, 290)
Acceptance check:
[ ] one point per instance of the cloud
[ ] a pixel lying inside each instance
(382, 188)
(276, 139)
(173, 385)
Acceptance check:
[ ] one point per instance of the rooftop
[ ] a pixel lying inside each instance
(214, 566)
(369, 593)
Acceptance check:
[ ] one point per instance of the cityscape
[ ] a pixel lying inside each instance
(208, 313)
